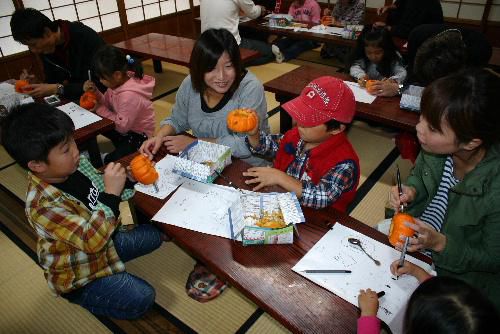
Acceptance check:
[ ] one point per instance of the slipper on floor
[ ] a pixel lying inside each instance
(202, 285)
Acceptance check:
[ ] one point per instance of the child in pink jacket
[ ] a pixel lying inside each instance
(305, 11)
(127, 101)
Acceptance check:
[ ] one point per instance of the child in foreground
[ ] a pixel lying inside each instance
(127, 101)
(314, 159)
(440, 305)
(74, 210)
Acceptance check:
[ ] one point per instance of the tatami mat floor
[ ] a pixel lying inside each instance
(26, 309)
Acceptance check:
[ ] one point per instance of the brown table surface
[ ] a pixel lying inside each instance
(262, 25)
(92, 130)
(169, 48)
(384, 110)
(263, 273)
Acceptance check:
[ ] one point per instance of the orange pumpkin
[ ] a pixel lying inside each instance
(21, 86)
(88, 100)
(143, 170)
(369, 85)
(242, 120)
(398, 228)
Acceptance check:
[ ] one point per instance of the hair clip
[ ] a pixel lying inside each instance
(130, 60)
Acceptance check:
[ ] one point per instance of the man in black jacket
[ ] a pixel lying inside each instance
(65, 48)
(404, 15)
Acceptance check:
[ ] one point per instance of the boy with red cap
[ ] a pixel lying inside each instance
(315, 159)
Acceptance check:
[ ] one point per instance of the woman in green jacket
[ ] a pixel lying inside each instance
(454, 188)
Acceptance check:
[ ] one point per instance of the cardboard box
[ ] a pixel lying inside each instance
(201, 161)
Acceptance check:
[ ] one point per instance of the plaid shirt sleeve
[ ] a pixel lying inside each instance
(268, 144)
(339, 179)
(60, 223)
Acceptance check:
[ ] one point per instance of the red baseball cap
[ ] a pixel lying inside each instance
(323, 99)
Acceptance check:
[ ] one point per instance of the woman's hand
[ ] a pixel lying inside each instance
(368, 302)
(408, 196)
(427, 237)
(409, 268)
(151, 146)
(175, 144)
(263, 177)
(40, 90)
(385, 88)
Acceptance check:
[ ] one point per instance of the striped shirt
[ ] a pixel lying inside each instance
(436, 210)
(74, 242)
(332, 185)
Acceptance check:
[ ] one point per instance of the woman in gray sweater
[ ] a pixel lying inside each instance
(217, 84)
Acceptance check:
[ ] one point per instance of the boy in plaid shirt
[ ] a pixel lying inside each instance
(314, 159)
(75, 212)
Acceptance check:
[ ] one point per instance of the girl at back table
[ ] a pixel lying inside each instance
(453, 190)
(376, 58)
(127, 101)
(218, 83)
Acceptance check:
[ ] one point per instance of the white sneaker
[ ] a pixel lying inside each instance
(277, 53)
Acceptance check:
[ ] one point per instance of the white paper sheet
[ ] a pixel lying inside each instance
(360, 94)
(224, 211)
(167, 180)
(333, 251)
(81, 117)
(200, 207)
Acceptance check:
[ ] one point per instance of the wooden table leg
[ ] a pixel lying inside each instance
(285, 119)
(94, 152)
(157, 66)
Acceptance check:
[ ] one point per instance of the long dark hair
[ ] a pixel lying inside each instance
(445, 305)
(380, 38)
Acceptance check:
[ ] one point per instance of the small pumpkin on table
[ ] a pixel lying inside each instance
(143, 171)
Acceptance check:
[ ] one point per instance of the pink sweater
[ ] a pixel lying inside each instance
(129, 105)
(309, 12)
(368, 325)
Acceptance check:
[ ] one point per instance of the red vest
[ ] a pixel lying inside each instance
(322, 158)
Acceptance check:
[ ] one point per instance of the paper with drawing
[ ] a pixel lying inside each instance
(333, 251)
(360, 94)
(201, 207)
(167, 180)
(80, 117)
(224, 211)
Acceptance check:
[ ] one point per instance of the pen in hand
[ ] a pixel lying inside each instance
(400, 188)
(403, 254)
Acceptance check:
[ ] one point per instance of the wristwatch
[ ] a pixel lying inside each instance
(60, 89)
(400, 89)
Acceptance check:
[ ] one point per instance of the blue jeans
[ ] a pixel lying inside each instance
(122, 295)
(266, 54)
(292, 48)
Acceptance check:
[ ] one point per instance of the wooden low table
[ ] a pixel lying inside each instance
(86, 138)
(169, 48)
(263, 273)
(384, 110)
